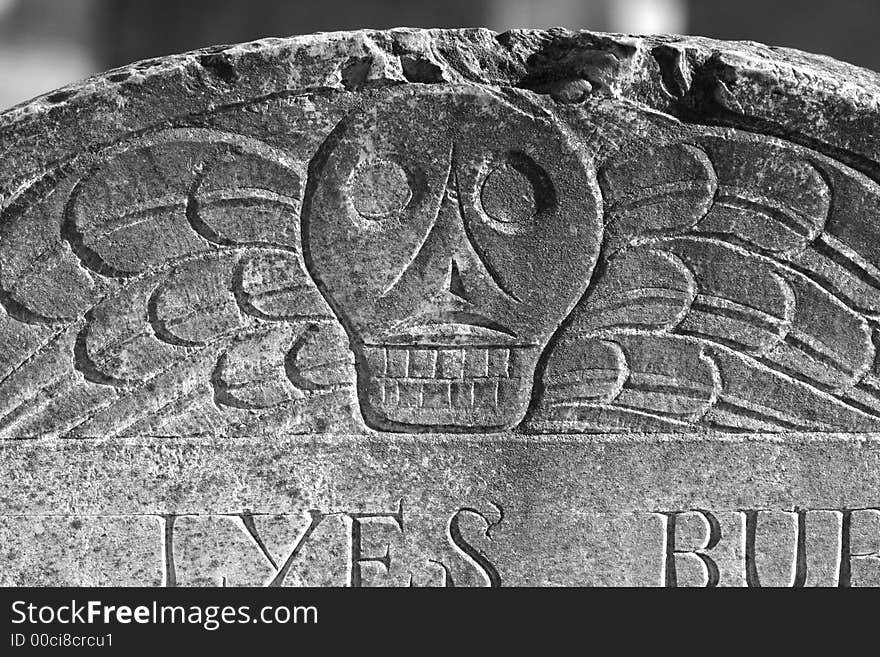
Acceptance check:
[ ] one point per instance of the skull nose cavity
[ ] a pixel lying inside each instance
(454, 283)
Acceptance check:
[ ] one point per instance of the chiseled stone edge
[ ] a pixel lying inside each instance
(809, 99)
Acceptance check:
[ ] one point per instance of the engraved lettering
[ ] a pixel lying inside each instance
(471, 554)
(357, 558)
(315, 519)
(689, 535)
(756, 548)
(824, 535)
(776, 546)
(860, 550)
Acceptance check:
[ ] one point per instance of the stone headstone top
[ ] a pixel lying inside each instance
(444, 306)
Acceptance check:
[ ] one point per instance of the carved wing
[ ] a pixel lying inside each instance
(159, 288)
(736, 291)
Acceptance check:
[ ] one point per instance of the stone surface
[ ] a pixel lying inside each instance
(448, 308)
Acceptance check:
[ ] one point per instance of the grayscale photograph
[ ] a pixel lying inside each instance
(512, 293)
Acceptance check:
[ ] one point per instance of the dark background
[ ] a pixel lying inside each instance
(47, 43)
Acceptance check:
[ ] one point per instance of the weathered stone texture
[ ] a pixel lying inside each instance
(74, 550)
(444, 307)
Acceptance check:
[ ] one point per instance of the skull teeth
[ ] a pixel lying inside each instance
(448, 385)
(442, 363)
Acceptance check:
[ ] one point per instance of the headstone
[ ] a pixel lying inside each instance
(444, 308)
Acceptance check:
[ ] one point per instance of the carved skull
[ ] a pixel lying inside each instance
(451, 232)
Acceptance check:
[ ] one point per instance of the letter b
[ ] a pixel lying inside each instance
(689, 535)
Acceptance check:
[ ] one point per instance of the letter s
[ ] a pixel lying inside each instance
(476, 557)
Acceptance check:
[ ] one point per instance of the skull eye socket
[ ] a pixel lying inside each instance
(379, 189)
(515, 191)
